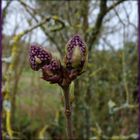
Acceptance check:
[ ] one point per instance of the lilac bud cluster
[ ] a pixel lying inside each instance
(52, 70)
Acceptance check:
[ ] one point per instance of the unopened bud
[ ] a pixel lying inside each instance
(76, 54)
(52, 72)
(39, 57)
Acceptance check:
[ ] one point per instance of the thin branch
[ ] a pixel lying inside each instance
(124, 106)
(116, 137)
(128, 18)
(36, 26)
(4, 11)
(108, 43)
(55, 18)
(114, 5)
(28, 8)
(99, 134)
(97, 28)
(10, 72)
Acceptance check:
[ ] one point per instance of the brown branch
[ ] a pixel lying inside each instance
(4, 11)
(55, 18)
(108, 44)
(119, 18)
(114, 5)
(36, 26)
(28, 8)
(68, 112)
(128, 18)
(97, 28)
(85, 13)
(11, 70)
(125, 106)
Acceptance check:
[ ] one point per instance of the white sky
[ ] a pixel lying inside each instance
(18, 16)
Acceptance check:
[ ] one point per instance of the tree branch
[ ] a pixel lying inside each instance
(114, 5)
(4, 11)
(97, 28)
(27, 7)
(68, 112)
(98, 24)
(10, 72)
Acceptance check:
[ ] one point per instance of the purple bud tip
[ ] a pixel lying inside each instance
(75, 41)
(39, 57)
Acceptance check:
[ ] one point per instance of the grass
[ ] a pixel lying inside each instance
(37, 100)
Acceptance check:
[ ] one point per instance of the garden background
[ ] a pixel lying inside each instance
(103, 98)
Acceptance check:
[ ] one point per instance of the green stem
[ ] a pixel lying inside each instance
(68, 112)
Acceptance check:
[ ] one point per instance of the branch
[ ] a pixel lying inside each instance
(55, 18)
(116, 137)
(4, 11)
(119, 18)
(114, 5)
(17, 37)
(28, 8)
(108, 44)
(97, 28)
(68, 112)
(99, 134)
(11, 70)
(130, 106)
(98, 24)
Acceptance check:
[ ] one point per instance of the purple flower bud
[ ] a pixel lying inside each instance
(76, 54)
(39, 57)
(52, 72)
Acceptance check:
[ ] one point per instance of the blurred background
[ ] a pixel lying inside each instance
(104, 98)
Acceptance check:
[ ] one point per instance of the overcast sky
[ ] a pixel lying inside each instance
(18, 16)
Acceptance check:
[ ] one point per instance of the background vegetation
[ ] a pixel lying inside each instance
(104, 98)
